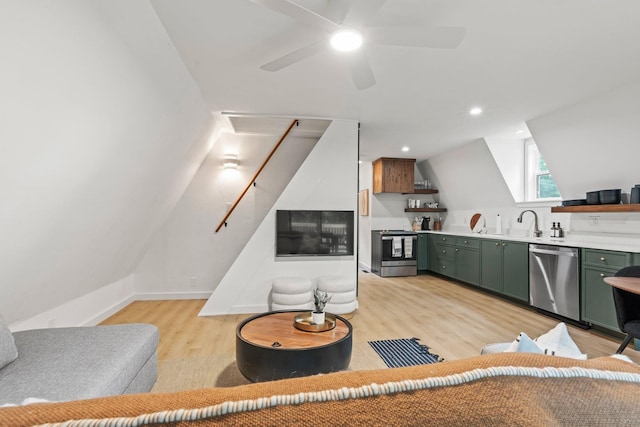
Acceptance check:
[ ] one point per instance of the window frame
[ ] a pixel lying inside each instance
(532, 173)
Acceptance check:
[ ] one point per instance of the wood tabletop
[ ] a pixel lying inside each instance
(629, 284)
(278, 327)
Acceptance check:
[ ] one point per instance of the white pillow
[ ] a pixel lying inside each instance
(523, 344)
(557, 342)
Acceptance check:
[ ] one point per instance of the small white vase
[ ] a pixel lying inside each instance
(317, 318)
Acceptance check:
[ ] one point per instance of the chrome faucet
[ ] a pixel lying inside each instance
(536, 231)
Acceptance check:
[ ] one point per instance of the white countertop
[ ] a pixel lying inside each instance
(613, 242)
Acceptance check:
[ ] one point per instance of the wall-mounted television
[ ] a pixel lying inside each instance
(314, 233)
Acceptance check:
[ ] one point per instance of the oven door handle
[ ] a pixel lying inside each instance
(391, 237)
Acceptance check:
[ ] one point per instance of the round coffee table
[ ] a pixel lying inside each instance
(270, 347)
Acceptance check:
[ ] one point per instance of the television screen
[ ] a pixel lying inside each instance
(312, 233)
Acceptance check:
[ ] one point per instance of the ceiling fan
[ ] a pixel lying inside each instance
(350, 17)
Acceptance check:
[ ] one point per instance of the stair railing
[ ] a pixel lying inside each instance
(255, 176)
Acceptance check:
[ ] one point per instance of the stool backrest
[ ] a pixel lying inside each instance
(627, 303)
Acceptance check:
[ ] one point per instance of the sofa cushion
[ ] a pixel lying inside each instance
(77, 363)
(8, 350)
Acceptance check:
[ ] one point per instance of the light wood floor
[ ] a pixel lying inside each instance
(455, 320)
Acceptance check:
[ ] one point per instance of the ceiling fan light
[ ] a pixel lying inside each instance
(346, 40)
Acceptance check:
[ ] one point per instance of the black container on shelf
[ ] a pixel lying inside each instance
(635, 195)
(593, 198)
(610, 197)
(574, 202)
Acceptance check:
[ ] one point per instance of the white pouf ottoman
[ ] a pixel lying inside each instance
(343, 293)
(291, 293)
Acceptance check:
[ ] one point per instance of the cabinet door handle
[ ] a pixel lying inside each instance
(466, 242)
(602, 274)
(457, 249)
(497, 244)
(504, 244)
(444, 251)
(444, 267)
(603, 259)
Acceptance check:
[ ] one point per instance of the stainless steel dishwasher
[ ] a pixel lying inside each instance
(554, 280)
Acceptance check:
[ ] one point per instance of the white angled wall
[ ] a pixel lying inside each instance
(328, 179)
(186, 257)
(102, 128)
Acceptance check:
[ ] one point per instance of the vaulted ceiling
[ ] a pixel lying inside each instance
(519, 59)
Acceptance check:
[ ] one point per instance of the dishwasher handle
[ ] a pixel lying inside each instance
(556, 253)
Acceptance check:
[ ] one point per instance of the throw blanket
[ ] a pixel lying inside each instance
(499, 389)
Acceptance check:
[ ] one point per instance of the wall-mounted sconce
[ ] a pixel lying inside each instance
(230, 161)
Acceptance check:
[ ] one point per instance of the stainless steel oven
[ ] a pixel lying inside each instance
(393, 253)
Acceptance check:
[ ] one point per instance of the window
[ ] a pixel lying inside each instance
(538, 180)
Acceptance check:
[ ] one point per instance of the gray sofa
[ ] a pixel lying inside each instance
(61, 364)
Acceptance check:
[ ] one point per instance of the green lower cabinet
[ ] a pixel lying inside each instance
(468, 265)
(597, 298)
(457, 258)
(515, 270)
(499, 265)
(505, 268)
(596, 302)
(441, 252)
(423, 252)
(491, 267)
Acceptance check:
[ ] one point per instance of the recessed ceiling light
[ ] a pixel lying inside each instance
(475, 111)
(405, 149)
(346, 40)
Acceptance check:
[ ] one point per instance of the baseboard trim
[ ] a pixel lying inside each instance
(240, 309)
(153, 296)
(105, 314)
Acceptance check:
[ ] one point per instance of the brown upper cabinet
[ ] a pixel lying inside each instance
(393, 175)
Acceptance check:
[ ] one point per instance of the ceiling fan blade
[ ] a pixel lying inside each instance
(434, 37)
(361, 72)
(299, 13)
(338, 10)
(295, 56)
(361, 12)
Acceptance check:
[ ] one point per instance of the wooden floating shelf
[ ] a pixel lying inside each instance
(423, 191)
(597, 208)
(425, 210)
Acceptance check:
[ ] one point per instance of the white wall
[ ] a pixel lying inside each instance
(592, 145)
(102, 129)
(468, 181)
(86, 310)
(187, 258)
(328, 179)
(588, 146)
(509, 155)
